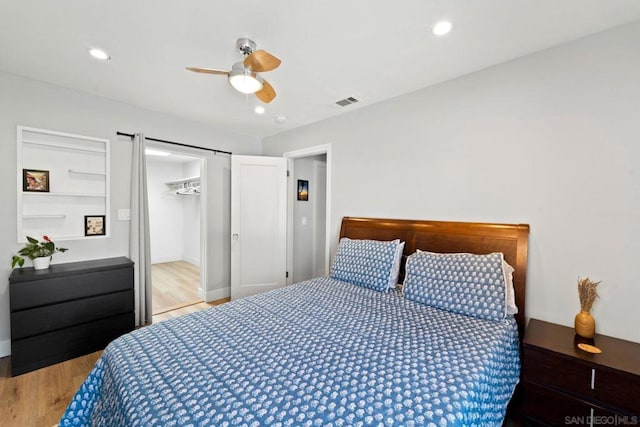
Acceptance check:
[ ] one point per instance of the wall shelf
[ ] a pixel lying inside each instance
(77, 183)
(41, 194)
(64, 146)
(86, 172)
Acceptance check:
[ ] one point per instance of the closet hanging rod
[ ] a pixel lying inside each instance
(130, 135)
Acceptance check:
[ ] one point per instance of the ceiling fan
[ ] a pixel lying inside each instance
(244, 75)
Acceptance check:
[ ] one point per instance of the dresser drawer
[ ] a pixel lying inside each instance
(42, 350)
(555, 408)
(49, 318)
(37, 293)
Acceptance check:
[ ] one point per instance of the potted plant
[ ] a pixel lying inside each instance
(39, 252)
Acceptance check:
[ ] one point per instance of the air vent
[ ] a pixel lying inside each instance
(347, 101)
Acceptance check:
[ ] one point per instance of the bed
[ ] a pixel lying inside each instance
(325, 351)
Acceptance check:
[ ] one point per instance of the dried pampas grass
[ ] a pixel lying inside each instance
(587, 292)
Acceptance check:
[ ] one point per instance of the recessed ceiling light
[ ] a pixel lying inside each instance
(99, 54)
(441, 28)
(152, 152)
(259, 109)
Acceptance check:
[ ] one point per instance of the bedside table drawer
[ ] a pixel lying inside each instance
(556, 371)
(576, 377)
(619, 389)
(555, 408)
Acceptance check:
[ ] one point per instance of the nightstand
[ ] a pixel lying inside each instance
(563, 384)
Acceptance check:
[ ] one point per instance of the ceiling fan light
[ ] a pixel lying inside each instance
(99, 54)
(245, 81)
(442, 28)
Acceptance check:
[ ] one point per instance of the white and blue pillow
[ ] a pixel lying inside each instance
(371, 264)
(463, 283)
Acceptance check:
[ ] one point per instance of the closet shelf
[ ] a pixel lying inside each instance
(185, 186)
(62, 145)
(87, 172)
(183, 180)
(52, 216)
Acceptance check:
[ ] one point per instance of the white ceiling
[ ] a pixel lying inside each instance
(330, 49)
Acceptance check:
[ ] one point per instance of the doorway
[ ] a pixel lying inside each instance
(309, 217)
(309, 234)
(173, 187)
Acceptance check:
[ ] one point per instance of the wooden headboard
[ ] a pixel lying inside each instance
(452, 237)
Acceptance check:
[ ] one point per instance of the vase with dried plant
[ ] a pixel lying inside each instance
(585, 324)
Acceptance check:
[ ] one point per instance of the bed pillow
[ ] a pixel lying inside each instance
(397, 259)
(371, 264)
(468, 284)
(510, 296)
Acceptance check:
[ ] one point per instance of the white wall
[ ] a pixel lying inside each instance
(550, 139)
(191, 218)
(32, 103)
(165, 211)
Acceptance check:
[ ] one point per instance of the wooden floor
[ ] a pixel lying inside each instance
(39, 398)
(175, 284)
(192, 308)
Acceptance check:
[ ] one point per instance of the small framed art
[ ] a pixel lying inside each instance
(35, 180)
(95, 225)
(303, 190)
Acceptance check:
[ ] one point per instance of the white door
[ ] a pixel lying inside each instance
(258, 224)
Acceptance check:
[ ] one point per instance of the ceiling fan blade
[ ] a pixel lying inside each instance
(207, 70)
(261, 60)
(267, 93)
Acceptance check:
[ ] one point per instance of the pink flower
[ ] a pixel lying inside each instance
(46, 238)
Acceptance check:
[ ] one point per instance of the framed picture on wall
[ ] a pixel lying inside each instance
(35, 180)
(303, 190)
(95, 225)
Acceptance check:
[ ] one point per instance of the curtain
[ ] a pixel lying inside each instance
(139, 246)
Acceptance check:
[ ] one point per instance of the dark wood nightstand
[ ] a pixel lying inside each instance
(563, 384)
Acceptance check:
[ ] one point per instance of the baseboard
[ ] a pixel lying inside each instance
(5, 348)
(214, 294)
(162, 259)
(190, 260)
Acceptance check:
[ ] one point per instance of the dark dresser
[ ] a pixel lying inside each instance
(68, 310)
(564, 385)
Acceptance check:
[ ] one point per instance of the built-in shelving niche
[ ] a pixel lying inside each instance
(78, 183)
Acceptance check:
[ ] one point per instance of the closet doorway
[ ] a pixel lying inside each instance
(174, 194)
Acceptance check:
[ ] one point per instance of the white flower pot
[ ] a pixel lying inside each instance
(41, 263)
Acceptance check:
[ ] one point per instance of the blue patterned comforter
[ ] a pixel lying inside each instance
(322, 352)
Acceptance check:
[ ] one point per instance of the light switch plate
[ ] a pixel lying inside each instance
(124, 214)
